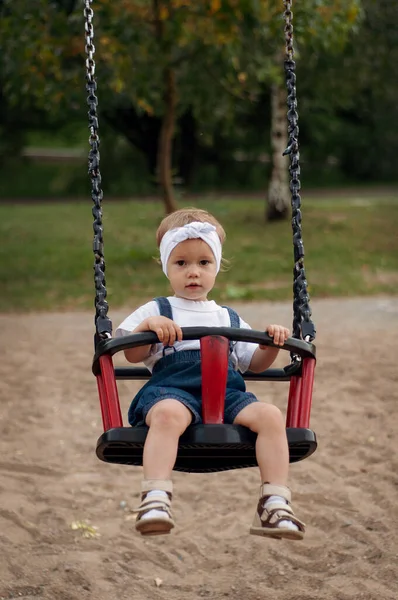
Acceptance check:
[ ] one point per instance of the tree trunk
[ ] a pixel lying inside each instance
(278, 200)
(166, 143)
(187, 154)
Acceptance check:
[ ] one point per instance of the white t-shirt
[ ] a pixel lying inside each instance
(190, 313)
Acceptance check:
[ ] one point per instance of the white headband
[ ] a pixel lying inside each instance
(204, 231)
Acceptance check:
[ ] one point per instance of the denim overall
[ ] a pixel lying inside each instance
(178, 376)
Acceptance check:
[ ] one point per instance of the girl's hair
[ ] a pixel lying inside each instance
(182, 217)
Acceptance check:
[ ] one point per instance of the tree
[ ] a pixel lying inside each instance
(162, 59)
(318, 25)
(352, 102)
(172, 36)
(159, 61)
(22, 53)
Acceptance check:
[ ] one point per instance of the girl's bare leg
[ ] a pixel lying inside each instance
(274, 517)
(167, 420)
(272, 451)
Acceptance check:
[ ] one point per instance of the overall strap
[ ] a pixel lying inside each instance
(164, 307)
(235, 322)
(233, 317)
(165, 311)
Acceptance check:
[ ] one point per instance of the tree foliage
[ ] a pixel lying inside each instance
(225, 55)
(349, 101)
(222, 51)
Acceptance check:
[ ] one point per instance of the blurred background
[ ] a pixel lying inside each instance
(192, 108)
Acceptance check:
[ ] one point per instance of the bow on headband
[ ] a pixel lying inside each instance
(195, 230)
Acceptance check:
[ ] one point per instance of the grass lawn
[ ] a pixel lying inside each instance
(46, 251)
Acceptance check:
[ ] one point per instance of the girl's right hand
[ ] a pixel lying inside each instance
(167, 330)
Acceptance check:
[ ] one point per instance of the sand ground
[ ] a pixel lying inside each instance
(51, 480)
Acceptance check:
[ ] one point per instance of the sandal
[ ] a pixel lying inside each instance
(157, 525)
(266, 520)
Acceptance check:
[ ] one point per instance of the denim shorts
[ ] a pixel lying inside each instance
(178, 376)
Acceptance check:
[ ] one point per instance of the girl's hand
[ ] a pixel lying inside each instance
(278, 333)
(167, 330)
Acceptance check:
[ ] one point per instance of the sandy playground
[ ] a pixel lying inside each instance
(66, 527)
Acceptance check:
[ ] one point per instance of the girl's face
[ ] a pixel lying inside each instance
(192, 270)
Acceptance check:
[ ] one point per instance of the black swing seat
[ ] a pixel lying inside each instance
(209, 447)
(202, 448)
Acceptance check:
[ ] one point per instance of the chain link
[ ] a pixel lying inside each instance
(288, 15)
(102, 322)
(303, 327)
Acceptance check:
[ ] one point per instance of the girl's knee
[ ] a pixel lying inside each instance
(261, 416)
(270, 413)
(169, 414)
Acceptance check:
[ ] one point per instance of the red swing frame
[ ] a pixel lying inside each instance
(214, 356)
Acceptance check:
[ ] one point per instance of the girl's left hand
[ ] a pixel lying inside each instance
(278, 333)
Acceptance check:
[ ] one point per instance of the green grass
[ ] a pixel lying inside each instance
(46, 251)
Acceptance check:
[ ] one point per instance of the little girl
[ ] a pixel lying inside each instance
(190, 243)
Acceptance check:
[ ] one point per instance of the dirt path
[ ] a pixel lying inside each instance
(51, 478)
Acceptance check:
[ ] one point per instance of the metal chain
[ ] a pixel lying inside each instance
(303, 327)
(102, 322)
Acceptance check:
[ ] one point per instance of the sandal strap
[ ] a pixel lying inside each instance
(275, 506)
(149, 485)
(279, 512)
(155, 500)
(269, 489)
(153, 503)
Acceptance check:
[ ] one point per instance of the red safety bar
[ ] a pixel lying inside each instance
(108, 394)
(214, 358)
(300, 396)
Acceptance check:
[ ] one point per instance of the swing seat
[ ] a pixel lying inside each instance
(202, 448)
(212, 446)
